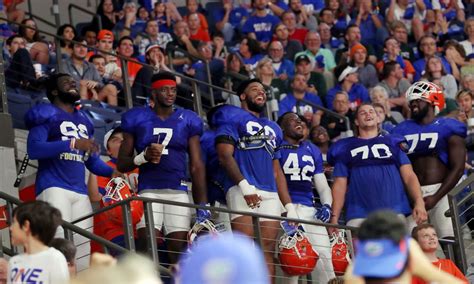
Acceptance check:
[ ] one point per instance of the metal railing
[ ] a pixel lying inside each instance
(461, 210)
(84, 10)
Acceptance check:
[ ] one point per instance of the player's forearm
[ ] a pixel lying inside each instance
(282, 186)
(98, 167)
(338, 198)
(322, 186)
(457, 157)
(125, 164)
(226, 159)
(198, 175)
(39, 148)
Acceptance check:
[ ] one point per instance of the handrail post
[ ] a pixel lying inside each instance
(197, 98)
(126, 83)
(209, 80)
(10, 221)
(257, 232)
(461, 258)
(150, 231)
(58, 45)
(3, 87)
(128, 226)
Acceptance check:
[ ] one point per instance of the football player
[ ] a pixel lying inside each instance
(60, 138)
(302, 165)
(371, 172)
(163, 135)
(247, 145)
(436, 149)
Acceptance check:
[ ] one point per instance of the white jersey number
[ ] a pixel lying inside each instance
(379, 151)
(70, 130)
(254, 127)
(292, 167)
(413, 139)
(168, 132)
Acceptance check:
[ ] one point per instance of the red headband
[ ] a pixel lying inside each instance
(160, 83)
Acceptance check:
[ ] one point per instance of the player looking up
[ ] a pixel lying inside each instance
(302, 164)
(436, 149)
(371, 172)
(60, 138)
(247, 146)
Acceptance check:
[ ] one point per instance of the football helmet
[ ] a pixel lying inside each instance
(428, 92)
(201, 228)
(340, 253)
(118, 189)
(296, 255)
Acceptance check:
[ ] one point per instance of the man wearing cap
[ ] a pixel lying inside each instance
(293, 101)
(247, 147)
(371, 172)
(162, 136)
(386, 254)
(103, 226)
(348, 79)
(315, 81)
(105, 42)
(154, 56)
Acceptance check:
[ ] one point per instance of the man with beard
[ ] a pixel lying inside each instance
(302, 164)
(247, 147)
(60, 138)
(371, 172)
(163, 136)
(436, 149)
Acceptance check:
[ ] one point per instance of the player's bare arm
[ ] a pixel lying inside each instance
(282, 187)
(339, 188)
(198, 171)
(126, 154)
(225, 153)
(414, 191)
(457, 154)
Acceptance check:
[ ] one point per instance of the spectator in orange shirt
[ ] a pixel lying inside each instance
(426, 237)
(125, 49)
(193, 7)
(392, 53)
(103, 225)
(195, 30)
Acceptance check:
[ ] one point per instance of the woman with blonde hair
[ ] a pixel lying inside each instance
(266, 74)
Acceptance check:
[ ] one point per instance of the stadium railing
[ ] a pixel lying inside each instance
(461, 210)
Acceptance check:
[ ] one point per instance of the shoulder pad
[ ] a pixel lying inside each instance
(400, 141)
(455, 126)
(338, 149)
(133, 117)
(40, 114)
(226, 114)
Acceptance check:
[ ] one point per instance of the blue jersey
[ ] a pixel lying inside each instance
(300, 163)
(261, 26)
(289, 102)
(256, 141)
(173, 133)
(51, 130)
(214, 173)
(371, 167)
(430, 139)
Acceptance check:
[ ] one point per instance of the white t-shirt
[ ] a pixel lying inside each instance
(49, 266)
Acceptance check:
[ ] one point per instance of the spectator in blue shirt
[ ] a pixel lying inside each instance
(260, 24)
(348, 81)
(229, 19)
(284, 68)
(293, 101)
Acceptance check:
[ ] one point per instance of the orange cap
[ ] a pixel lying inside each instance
(355, 48)
(105, 34)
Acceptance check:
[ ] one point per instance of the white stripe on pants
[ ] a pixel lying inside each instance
(72, 205)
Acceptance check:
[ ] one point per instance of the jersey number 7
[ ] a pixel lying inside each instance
(168, 132)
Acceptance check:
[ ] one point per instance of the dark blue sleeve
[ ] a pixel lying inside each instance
(195, 125)
(38, 146)
(283, 106)
(98, 167)
(318, 159)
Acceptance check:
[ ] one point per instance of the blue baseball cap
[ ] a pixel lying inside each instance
(381, 258)
(225, 258)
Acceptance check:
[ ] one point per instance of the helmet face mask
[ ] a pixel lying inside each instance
(297, 256)
(200, 229)
(428, 92)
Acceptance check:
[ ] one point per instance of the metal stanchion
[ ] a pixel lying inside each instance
(128, 227)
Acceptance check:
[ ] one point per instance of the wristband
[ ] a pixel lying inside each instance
(72, 144)
(289, 207)
(246, 188)
(140, 159)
